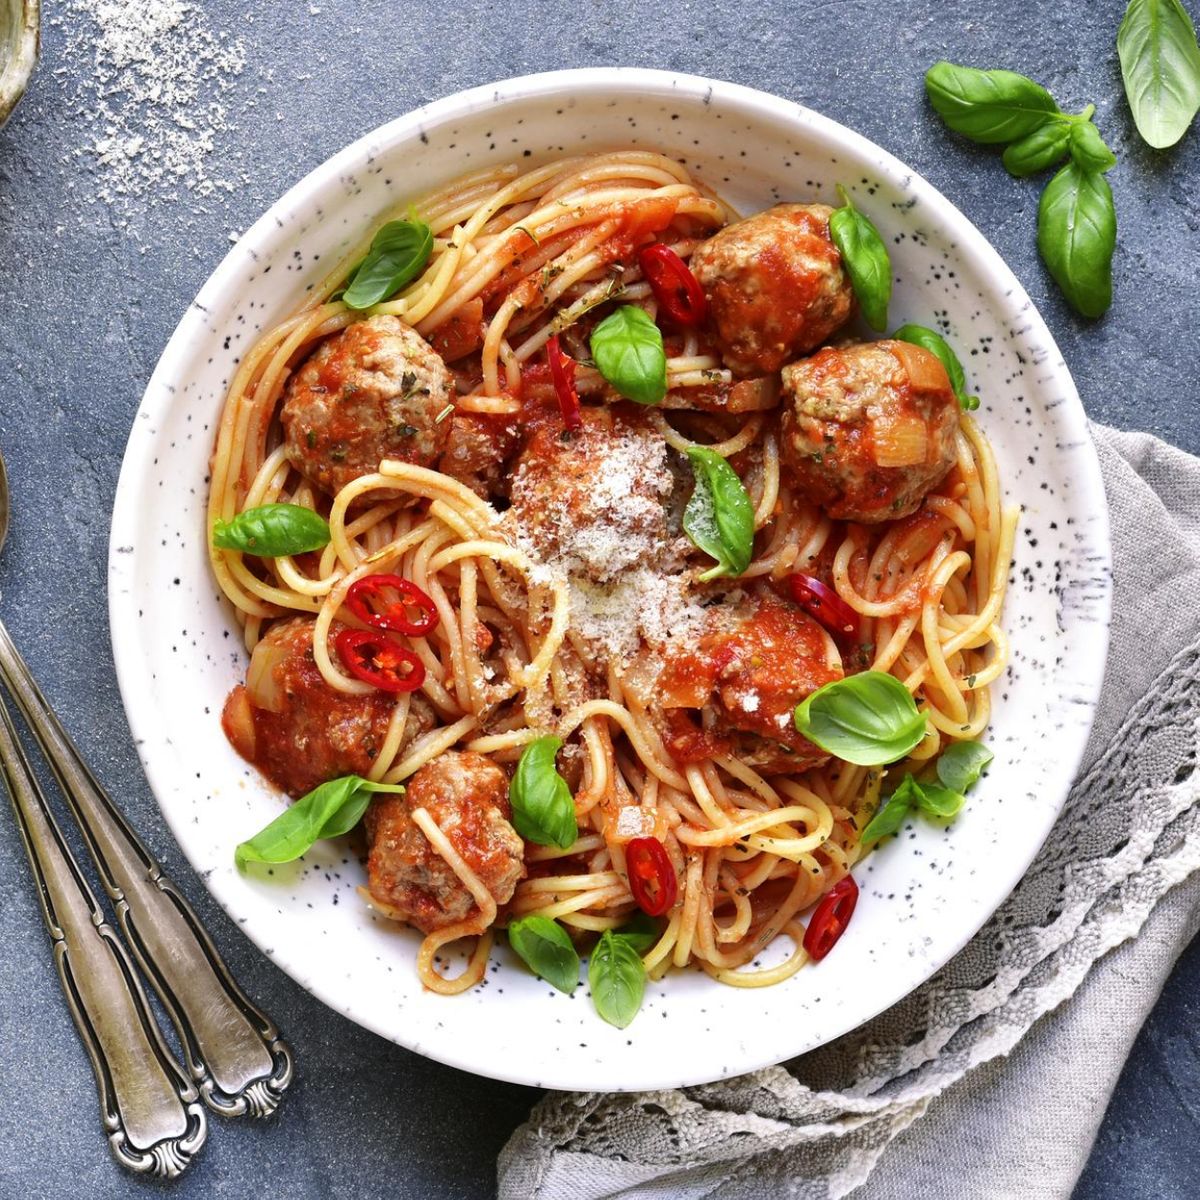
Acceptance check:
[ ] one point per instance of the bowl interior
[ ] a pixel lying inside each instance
(923, 896)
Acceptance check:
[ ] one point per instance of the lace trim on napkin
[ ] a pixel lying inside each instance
(1129, 833)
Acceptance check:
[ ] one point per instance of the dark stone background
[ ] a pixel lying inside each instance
(89, 292)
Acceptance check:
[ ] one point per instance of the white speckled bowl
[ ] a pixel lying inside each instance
(923, 896)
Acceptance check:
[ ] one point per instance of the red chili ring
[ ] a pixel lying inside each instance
(820, 601)
(378, 659)
(394, 614)
(651, 876)
(678, 292)
(830, 918)
(562, 371)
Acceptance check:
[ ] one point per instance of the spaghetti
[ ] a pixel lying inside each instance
(549, 621)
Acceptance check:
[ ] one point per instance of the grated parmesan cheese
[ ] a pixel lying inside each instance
(603, 528)
(151, 105)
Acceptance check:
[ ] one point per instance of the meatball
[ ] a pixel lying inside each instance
(371, 392)
(296, 729)
(868, 430)
(594, 501)
(467, 796)
(759, 659)
(477, 452)
(775, 286)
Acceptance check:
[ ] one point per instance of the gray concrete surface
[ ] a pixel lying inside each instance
(93, 279)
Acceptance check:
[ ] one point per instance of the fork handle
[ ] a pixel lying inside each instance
(233, 1050)
(150, 1109)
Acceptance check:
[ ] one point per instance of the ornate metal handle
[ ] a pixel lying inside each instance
(233, 1050)
(151, 1110)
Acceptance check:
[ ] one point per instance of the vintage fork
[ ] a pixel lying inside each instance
(150, 1109)
(235, 1056)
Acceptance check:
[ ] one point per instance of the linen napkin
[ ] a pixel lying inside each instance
(984, 1082)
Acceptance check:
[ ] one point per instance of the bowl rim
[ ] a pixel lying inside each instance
(19, 66)
(957, 229)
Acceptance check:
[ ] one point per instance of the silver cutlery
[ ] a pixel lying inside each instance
(150, 1109)
(235, 1058)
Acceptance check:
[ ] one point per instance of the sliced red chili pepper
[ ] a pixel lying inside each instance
(562, 371)
(651, 876)
(822, 602)
(380, 660)
(369, 601)
(678, 292)
(830, 918)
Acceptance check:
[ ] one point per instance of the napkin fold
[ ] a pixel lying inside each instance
(983, 1082)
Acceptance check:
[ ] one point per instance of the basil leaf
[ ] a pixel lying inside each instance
(1038, 150)
(1160, 64)
(988, 106)
(641, 931)
(958, 770)
(936, 800)
(547, 950)
(1077, 232)
(627, 349)
(327, 811)
(617, 979)
(865, 258)
(398, 254)
(719, 517)
(1088, 148)
(928, 339)
(891, 814)
(542, 807)
(960, 765)
(867, 719)
(271, 530)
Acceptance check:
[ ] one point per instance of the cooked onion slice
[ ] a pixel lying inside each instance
(238, 722)
(261, 680)
(924, 369)
(901, 441)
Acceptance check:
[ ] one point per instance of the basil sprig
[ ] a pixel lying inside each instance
(547, 950)
(1077, 233)
(542, 807)
(865, 258)
(1038, 150)
(617, 979)
(272, 530)
(719, 517)
(868, 719)
(627, 348)
(327, 811)
(1088, 148)
(928, 339)
(398, 254)
(961, 764)
(1076, 217)
(958, 770)
(990, 107)
(1160, 65)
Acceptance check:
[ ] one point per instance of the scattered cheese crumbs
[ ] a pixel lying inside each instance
(150, 104)
(633, 821)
